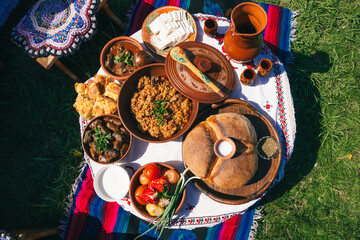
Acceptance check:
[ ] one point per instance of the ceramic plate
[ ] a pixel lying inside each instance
(111, 183)
(146, 33)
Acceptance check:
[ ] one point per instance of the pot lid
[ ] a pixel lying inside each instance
(208, 60)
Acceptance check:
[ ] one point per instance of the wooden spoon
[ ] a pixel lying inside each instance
(178, 54)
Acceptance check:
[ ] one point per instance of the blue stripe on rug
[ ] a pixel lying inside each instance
(245, 225)
(213, 232)
(284, 44)
(122, 222)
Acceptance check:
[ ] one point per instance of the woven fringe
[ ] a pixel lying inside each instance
(291, 57)
(293, 25)
(70, 201)
(254, 226)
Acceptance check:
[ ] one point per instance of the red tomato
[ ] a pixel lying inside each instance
(159, 184)
(152, 172)
(138, 193)
(172, 176)
(150, 195)
(143, 179)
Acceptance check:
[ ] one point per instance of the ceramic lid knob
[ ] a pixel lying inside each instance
(204, 65)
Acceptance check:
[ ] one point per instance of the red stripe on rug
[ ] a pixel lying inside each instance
(82, 210)
(109, 213)
(86, 195)
(173, 3)
(272, 31)
(230, 228)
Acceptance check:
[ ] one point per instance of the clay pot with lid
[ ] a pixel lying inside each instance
(243, 40)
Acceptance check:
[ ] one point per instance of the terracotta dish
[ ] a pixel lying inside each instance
(119, 140)
(265, 171)
(124, 104)
(135, 183)
(208, 60)
(243, 40)
(146, 33)
(132, 44)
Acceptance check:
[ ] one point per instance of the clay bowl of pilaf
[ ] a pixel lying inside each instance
(152, 109)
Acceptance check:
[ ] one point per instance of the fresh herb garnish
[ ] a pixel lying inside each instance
(160, 111)
(128, 59)
(119, 58)
(101, 139)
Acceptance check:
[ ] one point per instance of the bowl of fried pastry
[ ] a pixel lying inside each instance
(96, 97)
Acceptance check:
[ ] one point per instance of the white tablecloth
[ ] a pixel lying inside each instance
(270, 94)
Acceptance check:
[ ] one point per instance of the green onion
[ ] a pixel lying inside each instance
(168, 213)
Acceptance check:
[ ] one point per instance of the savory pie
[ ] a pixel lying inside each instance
(96, 98)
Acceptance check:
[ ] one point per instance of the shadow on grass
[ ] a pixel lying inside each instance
(307, 114)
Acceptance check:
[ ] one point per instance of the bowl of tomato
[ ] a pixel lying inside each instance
(152, 187)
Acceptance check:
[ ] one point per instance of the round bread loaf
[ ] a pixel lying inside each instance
(199, 156)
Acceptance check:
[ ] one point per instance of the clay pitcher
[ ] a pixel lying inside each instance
(243, 40)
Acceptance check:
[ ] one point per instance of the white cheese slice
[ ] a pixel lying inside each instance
(183, 15)
(164, 43)
(178, 15)
(174, 16)
(155, 26)
(169, 16)
(155, 41)
(182, 33)
(164, 18)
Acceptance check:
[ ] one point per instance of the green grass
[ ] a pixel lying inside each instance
(317, 199)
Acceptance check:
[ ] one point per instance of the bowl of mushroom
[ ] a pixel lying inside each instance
(105, 140)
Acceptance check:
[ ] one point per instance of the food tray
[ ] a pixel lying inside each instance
(267, 169)
(146, 33)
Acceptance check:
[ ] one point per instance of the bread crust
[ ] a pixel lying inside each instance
(199, 155)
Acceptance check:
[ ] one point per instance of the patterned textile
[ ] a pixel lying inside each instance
(92, 218)
(56, 27)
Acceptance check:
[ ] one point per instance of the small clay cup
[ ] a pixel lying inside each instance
(264, 67)
(247, 76)
(210, 27)
(230, 151)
